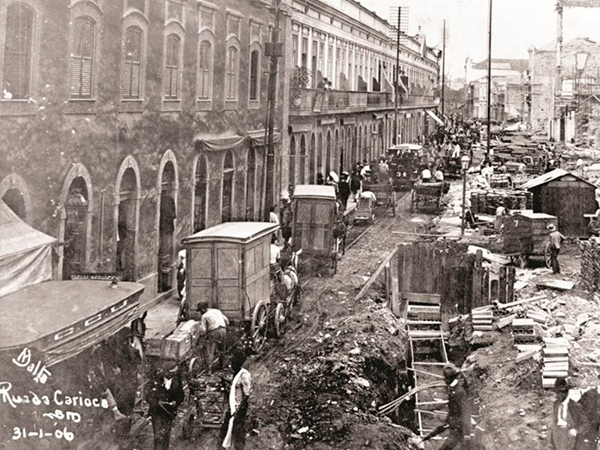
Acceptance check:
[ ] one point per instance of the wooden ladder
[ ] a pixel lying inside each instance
(428, 353)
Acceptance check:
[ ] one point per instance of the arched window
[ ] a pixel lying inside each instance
(15, 200)
(132, 64)
(231, 75)
(200, 191)
(292, 174)
(82, 57)
(254, 74)
(302, 168)
(18, 51)
(172, 67)
(205, 70)
(228, 172)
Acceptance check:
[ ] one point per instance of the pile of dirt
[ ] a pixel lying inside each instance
(512, 409)
(324, 391)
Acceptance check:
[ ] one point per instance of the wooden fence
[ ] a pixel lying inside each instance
(446, 269)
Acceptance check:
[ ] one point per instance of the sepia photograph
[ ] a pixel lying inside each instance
(299, 224)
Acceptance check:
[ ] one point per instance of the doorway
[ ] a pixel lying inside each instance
(166, 228)
(76, 225)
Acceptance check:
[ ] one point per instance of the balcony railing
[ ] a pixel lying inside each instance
(319, 101)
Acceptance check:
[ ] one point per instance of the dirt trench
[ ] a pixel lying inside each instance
(320, 385)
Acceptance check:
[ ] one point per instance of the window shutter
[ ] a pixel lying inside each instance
(135, 80)
(126, 79)
(17, 50)
(86, 77)
(75, 75)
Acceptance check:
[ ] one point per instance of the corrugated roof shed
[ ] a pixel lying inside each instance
(550, 176)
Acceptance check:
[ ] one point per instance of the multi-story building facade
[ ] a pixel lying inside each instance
(332, 129)
(569, 113)
(509, 90)
(128, 124)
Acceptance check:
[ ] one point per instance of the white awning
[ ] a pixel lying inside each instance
(434, 117)
(25, 253)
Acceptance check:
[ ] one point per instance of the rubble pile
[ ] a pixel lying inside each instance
(590, 266)
(486, 202)
(329, 386)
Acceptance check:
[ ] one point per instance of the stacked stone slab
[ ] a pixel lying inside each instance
(556, 361)
(590, 266)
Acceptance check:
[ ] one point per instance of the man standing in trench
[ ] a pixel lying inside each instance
(459, 416)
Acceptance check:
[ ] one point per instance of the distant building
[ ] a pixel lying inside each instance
(509, 90)
(332, 129)
(571, 113)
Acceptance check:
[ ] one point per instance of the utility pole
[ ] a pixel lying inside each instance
(443, 66)
(489, 87)
(397, 74)
(274, 50)
(467, 59)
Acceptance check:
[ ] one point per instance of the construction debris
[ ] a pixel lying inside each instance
(560, 285)
(556, 361)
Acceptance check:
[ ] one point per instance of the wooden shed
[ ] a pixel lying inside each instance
(566, 196)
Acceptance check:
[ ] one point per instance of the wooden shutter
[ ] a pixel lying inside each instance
(82, 58)
(17, 50)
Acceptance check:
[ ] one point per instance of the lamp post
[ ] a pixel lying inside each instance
(464, 163)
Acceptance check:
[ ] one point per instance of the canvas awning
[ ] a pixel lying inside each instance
(257, 137)
(434, 117)
(25, 253)
(217, 143)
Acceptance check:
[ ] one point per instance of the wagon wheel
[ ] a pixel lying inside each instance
(280, 320)
(193, 367)
(548, 256)
(258, 327)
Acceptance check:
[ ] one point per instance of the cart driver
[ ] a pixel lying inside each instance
(213, 325)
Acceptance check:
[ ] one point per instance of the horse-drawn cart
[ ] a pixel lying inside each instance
(427, 196)
(313, 232)
(526, 235)
(228, 268)
(365, 210)
(385, 195)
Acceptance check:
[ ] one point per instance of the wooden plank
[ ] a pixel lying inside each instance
(478, 299)
(522, 302)
(502, 284)
(510, 284)
(418, 297)
(374, 277)
(396, 305)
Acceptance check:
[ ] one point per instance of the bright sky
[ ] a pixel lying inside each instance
(517, 25)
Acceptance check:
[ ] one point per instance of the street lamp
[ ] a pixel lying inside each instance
(464, 163)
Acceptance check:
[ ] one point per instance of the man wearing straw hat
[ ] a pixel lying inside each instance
(458, 420)
(556, 239)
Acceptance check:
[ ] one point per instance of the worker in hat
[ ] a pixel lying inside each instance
(458, 420)
(556, 239)
(164, 396)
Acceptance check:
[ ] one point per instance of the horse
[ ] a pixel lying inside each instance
(340, 231)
